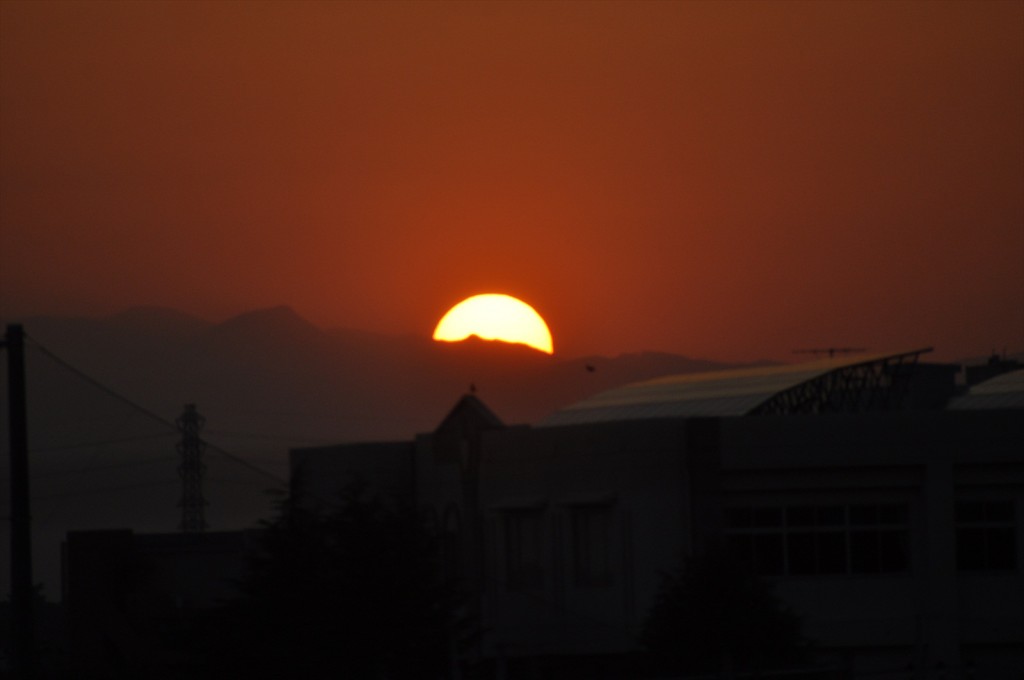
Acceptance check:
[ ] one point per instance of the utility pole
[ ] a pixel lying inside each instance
(22, 629)
(191, 470)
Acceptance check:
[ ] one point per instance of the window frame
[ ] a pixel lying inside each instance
(592, 560)
(524, 533)
(822, 539)
(984, 527)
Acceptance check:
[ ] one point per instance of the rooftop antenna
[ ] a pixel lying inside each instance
(831, 351)
(191, 470)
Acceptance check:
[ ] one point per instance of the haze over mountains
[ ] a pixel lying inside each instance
(272, 373)
(103, 394)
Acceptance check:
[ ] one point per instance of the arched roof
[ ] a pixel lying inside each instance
(860, 383)
(1001, 392)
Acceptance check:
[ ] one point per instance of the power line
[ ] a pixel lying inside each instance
(100, 442)
(273, 437)
(100, 386)
(108, 489)
(148, 413)
(111, 466)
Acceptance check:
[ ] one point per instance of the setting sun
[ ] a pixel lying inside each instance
(494, 316)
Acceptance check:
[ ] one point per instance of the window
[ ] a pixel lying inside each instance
(879, 539)
(451, 543)
(591, 549)
(986, 535)
(524, 542)
(820, 539)
(816, 540)
(757, 538)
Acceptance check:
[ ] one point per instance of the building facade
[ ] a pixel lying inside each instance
(892, 528)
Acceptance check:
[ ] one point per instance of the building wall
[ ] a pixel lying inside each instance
(935, 613)
(670, 483)
(647, 492)
(627, 481)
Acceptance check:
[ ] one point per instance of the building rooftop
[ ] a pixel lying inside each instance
(848, 384)
(1001, 392)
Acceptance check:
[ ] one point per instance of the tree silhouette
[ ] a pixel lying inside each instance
(712, 616)
(354, 593)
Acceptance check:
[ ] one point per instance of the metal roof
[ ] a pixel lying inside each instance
(847, 383)
(1001, 392)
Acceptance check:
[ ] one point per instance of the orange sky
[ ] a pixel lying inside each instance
(723, 180)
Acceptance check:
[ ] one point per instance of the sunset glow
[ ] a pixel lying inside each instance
(495, 317)
(723, 180)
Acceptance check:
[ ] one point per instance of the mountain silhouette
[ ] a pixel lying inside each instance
(326, 384)
(277, 329)
(153, 320)
(102, 438)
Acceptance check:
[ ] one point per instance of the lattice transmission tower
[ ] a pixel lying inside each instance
(191, 470)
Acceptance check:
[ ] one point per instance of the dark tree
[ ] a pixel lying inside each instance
(713, 616)
(354, 593)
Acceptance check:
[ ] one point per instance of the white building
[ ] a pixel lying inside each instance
(891, 523)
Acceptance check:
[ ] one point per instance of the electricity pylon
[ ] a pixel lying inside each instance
(191, 470)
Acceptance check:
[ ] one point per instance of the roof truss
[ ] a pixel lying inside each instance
(877, 385)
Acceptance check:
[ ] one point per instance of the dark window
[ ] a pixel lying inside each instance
(762, 553)
(875, 551)
(893, 513)
(800, 553)
(768, 554)
(763, 518)
(800, 516)
(831, 552)
(591, 545)
(830, 515)
(864, 515)
(821, 539)
(451, 543)
(986, 535)
(879, 539)
(524, 542)
(817, 540)
(738, 518)
(816, 552)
